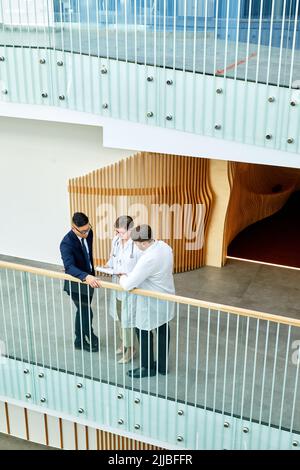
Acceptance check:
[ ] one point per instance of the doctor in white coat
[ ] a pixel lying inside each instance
(154, 272)
(124, 256)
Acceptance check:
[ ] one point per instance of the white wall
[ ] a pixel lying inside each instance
(121, 134)
(37, 158)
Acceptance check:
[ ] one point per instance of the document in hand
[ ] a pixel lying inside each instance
(102, 269)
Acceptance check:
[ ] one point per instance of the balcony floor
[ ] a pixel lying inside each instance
(166, 50)
(251, 285)
(244, 284)
(217, 361)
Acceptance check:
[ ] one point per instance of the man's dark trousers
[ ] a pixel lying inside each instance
(77, 263)
(145, 338)
(84, 313)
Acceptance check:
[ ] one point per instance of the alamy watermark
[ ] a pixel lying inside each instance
(168, 222)
(296, 352)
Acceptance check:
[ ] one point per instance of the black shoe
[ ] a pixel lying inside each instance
(161, 371)
(141, 372)
(95, 340)
(86, 346)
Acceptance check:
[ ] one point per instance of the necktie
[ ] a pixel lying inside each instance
(86, 255)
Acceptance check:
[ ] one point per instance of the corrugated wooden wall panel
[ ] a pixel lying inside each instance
(147, 179)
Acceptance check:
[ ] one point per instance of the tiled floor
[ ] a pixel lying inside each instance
(243, 284)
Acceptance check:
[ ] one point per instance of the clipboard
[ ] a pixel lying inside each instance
(107, 271)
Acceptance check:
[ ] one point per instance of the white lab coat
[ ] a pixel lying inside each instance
(154, 272)
(123, 259)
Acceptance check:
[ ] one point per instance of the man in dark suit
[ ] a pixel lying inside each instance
(77, 254)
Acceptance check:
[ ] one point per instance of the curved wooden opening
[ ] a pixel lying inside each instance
(262, 222)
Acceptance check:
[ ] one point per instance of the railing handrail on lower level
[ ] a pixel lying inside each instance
(202, 369)
(159, 295)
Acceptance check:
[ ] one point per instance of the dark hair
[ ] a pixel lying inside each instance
(142, 233)
(79, 219)
(124, 221)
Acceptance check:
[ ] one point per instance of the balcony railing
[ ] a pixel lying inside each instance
(200, 36)
(232, 381)
(230, 72)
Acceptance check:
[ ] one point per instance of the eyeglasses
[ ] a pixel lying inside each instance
(120, 232)
(83, 232)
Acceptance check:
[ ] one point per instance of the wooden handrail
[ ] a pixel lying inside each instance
(159, 295)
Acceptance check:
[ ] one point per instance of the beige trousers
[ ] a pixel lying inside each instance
(126, 335)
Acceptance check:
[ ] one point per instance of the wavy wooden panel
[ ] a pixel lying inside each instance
(257, 191)
(138, 186)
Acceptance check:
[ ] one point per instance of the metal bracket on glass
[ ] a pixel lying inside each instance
(169, 117)
(290, 140)
(60, 63)
(218, 127)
